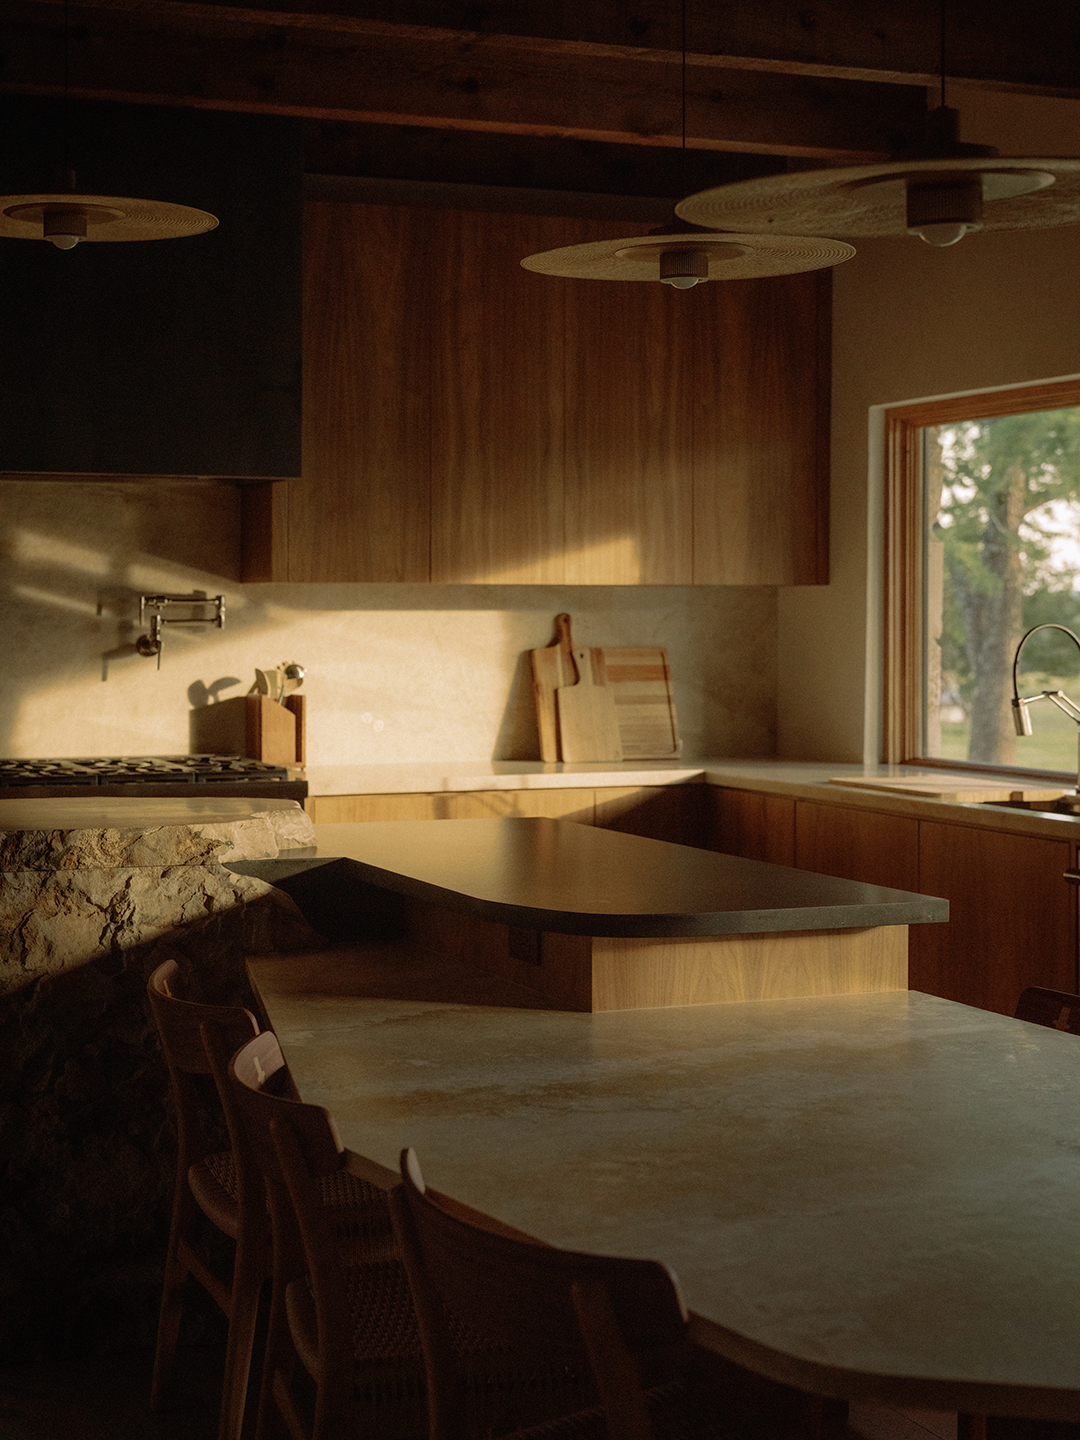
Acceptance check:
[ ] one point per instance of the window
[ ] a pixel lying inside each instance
(983, 543)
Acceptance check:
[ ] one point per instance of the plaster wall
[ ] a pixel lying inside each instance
(396, 673)
(911, 322)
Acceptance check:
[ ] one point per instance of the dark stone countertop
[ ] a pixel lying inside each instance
(576, 879)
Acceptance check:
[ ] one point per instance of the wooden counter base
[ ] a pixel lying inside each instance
(592, 972)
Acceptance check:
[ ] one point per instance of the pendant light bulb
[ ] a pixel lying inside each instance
(942, 234)
(684, 268)
(63, 226)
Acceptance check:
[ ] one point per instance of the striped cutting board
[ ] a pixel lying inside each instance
(644, 704)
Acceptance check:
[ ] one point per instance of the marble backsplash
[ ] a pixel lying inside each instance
(395, 673)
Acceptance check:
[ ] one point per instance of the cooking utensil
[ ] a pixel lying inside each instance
(588, 727)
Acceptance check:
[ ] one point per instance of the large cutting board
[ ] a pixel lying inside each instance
(588, 728)
(640, 682)
(975, 790)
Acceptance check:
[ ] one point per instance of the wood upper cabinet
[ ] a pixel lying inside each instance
(469, 421)
(761, 358)
(495, 401)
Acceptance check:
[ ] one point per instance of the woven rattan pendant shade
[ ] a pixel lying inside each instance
(68, 219)
(727, 256)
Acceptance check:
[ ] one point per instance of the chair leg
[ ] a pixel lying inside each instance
(970, 1427)
(248, 1275)
(278, 1363)
(172, 1296)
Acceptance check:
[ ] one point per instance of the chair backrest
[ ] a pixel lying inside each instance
(297, 1149)
(183, 1026)
(1056, 1009)
(550, 1307)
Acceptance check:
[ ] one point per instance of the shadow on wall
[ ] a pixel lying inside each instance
(395, 673)
(76, 556)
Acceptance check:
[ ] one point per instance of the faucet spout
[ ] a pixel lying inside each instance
(1021, 717)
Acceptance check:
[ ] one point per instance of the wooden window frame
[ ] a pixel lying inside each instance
(904, 512)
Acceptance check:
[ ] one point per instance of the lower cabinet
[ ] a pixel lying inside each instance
(1013, 919)
(858, 845)
(756, 826)
(660, 812)
(467, 805)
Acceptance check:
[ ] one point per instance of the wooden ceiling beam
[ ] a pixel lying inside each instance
(334, 67)
(1035, 49)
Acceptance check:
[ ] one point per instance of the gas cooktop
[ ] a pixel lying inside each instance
(151, 775)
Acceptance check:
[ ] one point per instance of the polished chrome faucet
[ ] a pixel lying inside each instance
(1021, 718)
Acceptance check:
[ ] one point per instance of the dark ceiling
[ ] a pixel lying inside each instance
(584, 96)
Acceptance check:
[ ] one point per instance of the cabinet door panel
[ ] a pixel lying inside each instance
(857, 845)
(1012, 917)
(757, 827)
(360, 512)
(659, 812)
(497, 402)
(497, 804)
(354, 809)
(761, 433)
(629, 379)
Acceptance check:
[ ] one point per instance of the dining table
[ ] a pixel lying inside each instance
(872, 1197)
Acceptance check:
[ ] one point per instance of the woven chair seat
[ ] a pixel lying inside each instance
(359, 1217)
(216, 1189)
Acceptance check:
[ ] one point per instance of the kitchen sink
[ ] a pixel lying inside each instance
(1068, 806)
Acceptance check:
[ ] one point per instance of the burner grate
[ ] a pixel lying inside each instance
(135, 769)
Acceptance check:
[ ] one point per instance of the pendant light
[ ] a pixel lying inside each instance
(684, 254)
(67, 217)
(938, 191)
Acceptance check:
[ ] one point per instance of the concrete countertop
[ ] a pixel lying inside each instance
(868, 1184)
(798, 780)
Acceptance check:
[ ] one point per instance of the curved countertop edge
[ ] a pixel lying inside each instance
(923, 1392)
(845, 905)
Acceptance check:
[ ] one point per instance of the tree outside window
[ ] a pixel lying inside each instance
(1002, 555)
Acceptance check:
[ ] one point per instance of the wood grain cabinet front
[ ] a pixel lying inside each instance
(1012, 918)
(467, 421)
(753, 825)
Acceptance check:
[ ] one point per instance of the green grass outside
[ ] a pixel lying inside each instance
(1052, 745)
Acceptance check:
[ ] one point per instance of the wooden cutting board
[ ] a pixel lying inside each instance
(975, 790)
(639, 678)
(552, 667)
(588, 728)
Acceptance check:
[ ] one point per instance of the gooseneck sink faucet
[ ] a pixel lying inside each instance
(1021, 718)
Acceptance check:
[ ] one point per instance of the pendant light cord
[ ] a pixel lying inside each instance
(683, 162)
(67, 173)
(941, 51)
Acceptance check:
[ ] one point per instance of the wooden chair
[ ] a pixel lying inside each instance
(340, 1299)
(208, 1180)
(544, 1311)
(1056, 1009)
